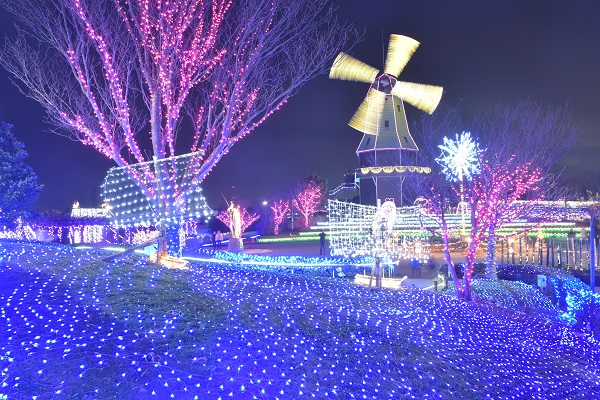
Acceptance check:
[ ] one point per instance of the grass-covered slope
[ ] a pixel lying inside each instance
(74, 327)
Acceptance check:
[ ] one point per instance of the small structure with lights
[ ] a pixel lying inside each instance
(378, 232)
(78, 212)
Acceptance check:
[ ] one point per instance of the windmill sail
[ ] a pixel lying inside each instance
(348, 68)
(424, 97)
(400, 50)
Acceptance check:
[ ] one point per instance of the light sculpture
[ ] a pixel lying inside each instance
(459, 161)
(240, 217)
(357, 230)
(460, 157)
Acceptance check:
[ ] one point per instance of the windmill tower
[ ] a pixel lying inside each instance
(387, 151)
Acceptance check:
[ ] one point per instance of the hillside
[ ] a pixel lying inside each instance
(75, 327)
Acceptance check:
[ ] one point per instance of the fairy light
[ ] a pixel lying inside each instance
(280, 335)
(351, 233)
(181, 199)
(280, 209)
(308, 199)
(460, 157)
(144, 235)
(246, 218)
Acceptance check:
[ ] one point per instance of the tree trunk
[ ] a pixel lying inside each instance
(155, 119)
(448, 258)
(175, 238)
(490, 267)
(469, 266)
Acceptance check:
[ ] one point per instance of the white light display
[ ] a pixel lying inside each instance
(20, 232)
(359, 230)
(89, 212)
(459, 158)
(176, 195)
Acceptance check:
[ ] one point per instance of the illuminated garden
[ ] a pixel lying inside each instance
(79, 328)
(456, 258)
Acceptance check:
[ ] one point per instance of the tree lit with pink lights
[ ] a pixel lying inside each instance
(280, 210)
(308, 197)
(523, 143)
(247, 217)
(492, 196)
(131, 77)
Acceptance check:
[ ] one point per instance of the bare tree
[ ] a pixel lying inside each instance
(437, 196)
(122, 75)
(526, 141)
(279, 210)
(308, 196)
(247, 217)
(516, 171)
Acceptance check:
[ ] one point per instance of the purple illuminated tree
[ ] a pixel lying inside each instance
(280, 209)
(123, 75)
(493, 198)
(523, 143)
(308, 196)
(247, 218)
(531, 136)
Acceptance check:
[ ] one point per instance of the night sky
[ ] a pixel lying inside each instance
(481, 52)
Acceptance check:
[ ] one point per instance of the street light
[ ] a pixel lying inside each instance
(264, 203)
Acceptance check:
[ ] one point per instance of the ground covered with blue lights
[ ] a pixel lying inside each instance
(75, 327)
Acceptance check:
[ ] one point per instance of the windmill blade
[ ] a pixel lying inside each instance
(366, 119)
(348, 68)
(424, 97)
(400, 50)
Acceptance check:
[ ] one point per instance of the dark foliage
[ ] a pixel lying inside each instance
(18, 183)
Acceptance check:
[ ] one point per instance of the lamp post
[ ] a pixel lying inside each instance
(264, 203)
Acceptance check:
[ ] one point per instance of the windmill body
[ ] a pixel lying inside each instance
(387, 151)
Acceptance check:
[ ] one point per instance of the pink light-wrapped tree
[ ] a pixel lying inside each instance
(280, 209)
(247, 218)
(308, 198)
(124, 76)
(522, 143)
(493, 198)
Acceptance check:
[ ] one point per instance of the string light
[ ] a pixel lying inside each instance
(308, 199)
(180, 198)
(275, 335)
(351, 233)
(280, 209)
(460, 157)
(246, 218)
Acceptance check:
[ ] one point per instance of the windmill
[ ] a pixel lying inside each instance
(386, 153)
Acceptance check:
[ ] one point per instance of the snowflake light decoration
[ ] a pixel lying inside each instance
(459, 158)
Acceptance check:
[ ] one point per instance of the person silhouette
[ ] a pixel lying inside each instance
(322, 242)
